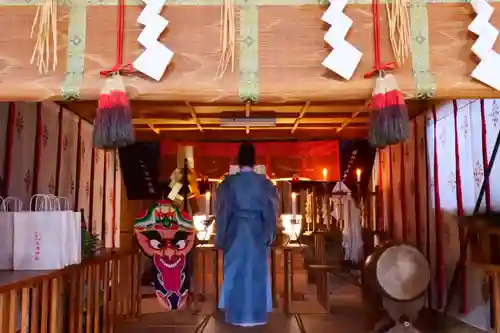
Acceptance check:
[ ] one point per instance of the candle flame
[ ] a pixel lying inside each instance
(294, 195)
(325, 173)
(358, 172)
(207, 195)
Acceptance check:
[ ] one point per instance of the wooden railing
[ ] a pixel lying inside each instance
(92, 297)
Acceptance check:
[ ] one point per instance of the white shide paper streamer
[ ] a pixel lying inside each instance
(488, 69)
(344, 57)
(352, 234)
(156, 57)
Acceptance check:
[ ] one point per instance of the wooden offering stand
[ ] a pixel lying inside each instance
(483, 232)
(321, 269)
(289, 294)
(206, 263)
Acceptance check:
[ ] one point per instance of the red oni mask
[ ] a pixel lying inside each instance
(168, 246)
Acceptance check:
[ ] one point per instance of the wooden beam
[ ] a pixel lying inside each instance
(194, 116)
(279, 121)
(353, 116)
(247, 114)
(269, 129)
(156, 130)
(255, 134)
(159, 109)
(149, 109)
(301, 115)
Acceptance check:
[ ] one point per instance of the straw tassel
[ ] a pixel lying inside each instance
(113, 126)
(399, 29)
(228, 38)
(46, 20)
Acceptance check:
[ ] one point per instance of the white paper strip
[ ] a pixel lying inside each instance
(488, 69)
(156, 57)
(344, 57)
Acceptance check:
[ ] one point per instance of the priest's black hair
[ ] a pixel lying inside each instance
(246, 154)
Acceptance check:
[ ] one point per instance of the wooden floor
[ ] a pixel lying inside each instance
(346, 316)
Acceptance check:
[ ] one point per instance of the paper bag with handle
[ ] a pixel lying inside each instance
(72, 227)
(7, 207)
(40, 236)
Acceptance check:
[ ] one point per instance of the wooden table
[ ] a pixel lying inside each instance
(288, 252)
(288, 294)
(203, 249)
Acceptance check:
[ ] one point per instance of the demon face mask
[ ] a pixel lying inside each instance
(167, 236)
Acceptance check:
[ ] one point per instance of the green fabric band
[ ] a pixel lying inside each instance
(424, 79)
(248, 41)
(75, 62)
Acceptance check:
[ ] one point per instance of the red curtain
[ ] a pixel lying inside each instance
(282, 159)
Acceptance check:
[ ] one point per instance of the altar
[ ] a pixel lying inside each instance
(307, 208)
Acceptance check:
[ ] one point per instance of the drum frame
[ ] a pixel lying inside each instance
(370, 272)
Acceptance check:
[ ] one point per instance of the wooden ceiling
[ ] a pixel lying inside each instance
(195, 122)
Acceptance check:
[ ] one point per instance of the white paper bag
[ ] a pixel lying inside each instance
(50, 202)
(60, 204)
(78, 243)
(7, 207)
(74, 239)
(7, 243)
(71, 243)
(7, 232)
(38, 240)
(39, 236)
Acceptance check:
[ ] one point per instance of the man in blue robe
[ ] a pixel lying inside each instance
(245, 229)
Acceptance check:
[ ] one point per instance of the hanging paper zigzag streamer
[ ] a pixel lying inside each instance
(488, 69)
(167, 235)
(156, 57)
(344, 57)
(184, 153)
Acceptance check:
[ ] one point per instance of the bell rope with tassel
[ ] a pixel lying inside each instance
(113, 126)
(389, 121)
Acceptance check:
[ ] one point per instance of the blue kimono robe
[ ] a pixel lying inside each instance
(245, 228)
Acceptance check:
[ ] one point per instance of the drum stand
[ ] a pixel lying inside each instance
(402, 315)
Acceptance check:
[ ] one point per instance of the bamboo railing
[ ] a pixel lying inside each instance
(92, 297)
